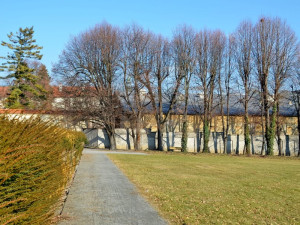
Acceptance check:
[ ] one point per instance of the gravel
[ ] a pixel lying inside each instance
(101, 194)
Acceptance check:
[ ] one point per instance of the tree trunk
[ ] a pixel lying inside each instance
(133, 134)
(159, 137)
(159, 118)
(184, 138)
(246, 121)
(206, 129)
(206, 134)
(138, 132)
(222, 113)
(298, 115)
(112, 141)
(227, 122)
(269, 125)
(262, 131)
(267, 120)
(278, 131)
(279, 142)
(298, 133)
(247, 134)
(272, 131)
(224, 136)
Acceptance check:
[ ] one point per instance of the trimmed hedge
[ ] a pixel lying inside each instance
(37, 159)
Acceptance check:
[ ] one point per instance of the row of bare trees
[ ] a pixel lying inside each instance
(127, 72)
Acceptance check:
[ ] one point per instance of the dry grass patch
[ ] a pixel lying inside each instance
(217, 189)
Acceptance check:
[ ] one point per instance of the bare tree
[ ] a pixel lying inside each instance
(146, 62)
(274, 53)
(285, 52)
(43, 81)
(184, 57)
(243, 58)
(225, 71)
(136, 62)
(263, 49)
(91, 60)
(208, 45)
(295, 86)
(155, 82)
(202, 71)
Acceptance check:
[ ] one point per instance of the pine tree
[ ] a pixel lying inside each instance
(23, 47)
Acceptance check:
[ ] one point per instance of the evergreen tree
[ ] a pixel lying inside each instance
(23, 47)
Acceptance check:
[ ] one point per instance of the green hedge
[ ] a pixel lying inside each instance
(37, 159)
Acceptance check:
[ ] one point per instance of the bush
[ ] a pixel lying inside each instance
(37, 159)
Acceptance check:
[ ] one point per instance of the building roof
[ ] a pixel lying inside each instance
(4, 91)
(56, 91)
(236, 106)
(195, 107)
(27, 111)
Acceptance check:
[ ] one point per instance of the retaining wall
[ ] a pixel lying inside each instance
(235, 144)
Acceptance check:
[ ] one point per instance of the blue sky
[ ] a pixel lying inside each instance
(56, 21)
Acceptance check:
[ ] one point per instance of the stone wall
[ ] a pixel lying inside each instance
(235, 143)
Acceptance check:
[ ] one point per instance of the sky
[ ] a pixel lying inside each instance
(55, 22)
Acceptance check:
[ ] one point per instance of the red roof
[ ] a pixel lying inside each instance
(3, 91)
(63, 91)
(27, 111)
(67, 91)
(55, 91)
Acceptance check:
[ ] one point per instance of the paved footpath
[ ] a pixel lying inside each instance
(101, 194)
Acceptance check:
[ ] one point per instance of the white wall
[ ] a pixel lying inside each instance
(235, 143)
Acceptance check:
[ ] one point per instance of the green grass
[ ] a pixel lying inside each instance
(217, 189)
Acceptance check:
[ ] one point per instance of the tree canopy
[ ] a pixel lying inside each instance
(24, 82)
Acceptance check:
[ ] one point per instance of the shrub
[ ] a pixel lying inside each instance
(37, 159)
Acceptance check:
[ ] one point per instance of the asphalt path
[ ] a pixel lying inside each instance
(102, 194)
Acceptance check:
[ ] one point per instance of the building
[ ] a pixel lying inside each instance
(62, 98)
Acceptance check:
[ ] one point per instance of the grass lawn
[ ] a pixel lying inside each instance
(217, 189)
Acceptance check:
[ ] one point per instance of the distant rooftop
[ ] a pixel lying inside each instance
(236, 106)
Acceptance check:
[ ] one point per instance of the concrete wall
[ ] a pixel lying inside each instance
(235, 143)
